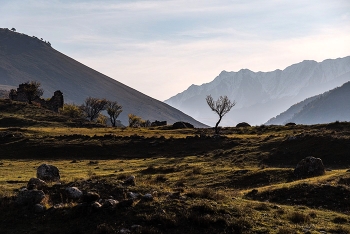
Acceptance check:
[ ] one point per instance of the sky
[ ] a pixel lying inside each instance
(161, 47)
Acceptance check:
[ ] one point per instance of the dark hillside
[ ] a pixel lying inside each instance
(24, 58)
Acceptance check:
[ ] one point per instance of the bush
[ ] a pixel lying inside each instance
(71, 111)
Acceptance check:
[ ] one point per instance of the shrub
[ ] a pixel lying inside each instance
(71, 111)
(298, 217)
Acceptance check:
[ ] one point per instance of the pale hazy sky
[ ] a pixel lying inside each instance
(162, 47)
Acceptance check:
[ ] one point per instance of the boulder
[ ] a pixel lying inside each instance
(35, 183)
(243, 124)
(96, 205)
(30, 197)
(309, 167)
(73, 193)
(110, 203)
(48, 173)
(147, 197)
(90, 197)
(179, 125)
(130, 181)
(290, 124)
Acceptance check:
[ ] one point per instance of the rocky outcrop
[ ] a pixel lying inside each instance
(54, 103)
(179, 125)
(48, 173)
(309, 167)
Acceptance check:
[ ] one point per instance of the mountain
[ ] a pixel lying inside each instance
(262, 95)
(330, 106)
(24, 58)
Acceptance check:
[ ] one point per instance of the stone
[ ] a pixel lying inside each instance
(309, 167)
(48, 173)
(290, 124)
(96, 205)
(73, 193)
(130, 181)
(242, 124)
(110, 203)
(35, 183)
(30, 197)
(179, 125)
(133, 195)
(90, 197)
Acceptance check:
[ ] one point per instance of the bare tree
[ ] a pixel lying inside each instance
(114, 110)
(221, 106)
(93, 106)
(32, 90)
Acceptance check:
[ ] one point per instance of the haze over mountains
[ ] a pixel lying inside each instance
(263, 95)
(330, 106)
(24, 58)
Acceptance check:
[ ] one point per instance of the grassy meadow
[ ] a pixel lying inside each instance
(240, 182)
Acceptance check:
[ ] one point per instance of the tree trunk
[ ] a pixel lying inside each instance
(216, 126)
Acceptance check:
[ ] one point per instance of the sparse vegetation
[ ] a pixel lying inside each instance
(240, 183)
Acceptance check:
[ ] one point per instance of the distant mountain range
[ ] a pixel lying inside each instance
(24, 58)
(262, 95)
(330, 106)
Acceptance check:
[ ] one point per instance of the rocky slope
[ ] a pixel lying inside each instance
(329, 107)
(261, 95)
(24, 58)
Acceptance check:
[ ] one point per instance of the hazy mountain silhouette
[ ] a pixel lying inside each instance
(330, 106)
(24, 58)
(262, 95)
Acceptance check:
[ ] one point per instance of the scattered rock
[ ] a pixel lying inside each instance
(48, 173)
(308, 167)
(242, 125)
(179, 125)
(110, 203)
(133, 195)
(90, 197)
(96, 205)
(30, 197)
(35, 183)
(130, 181)
(74, 193)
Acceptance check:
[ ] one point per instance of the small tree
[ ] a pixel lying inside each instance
(93, 106)
(32, 90)
(222, 106)
(113, 110)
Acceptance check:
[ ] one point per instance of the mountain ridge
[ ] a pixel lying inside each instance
(331, 106)
(262, 95)
(24, 58)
